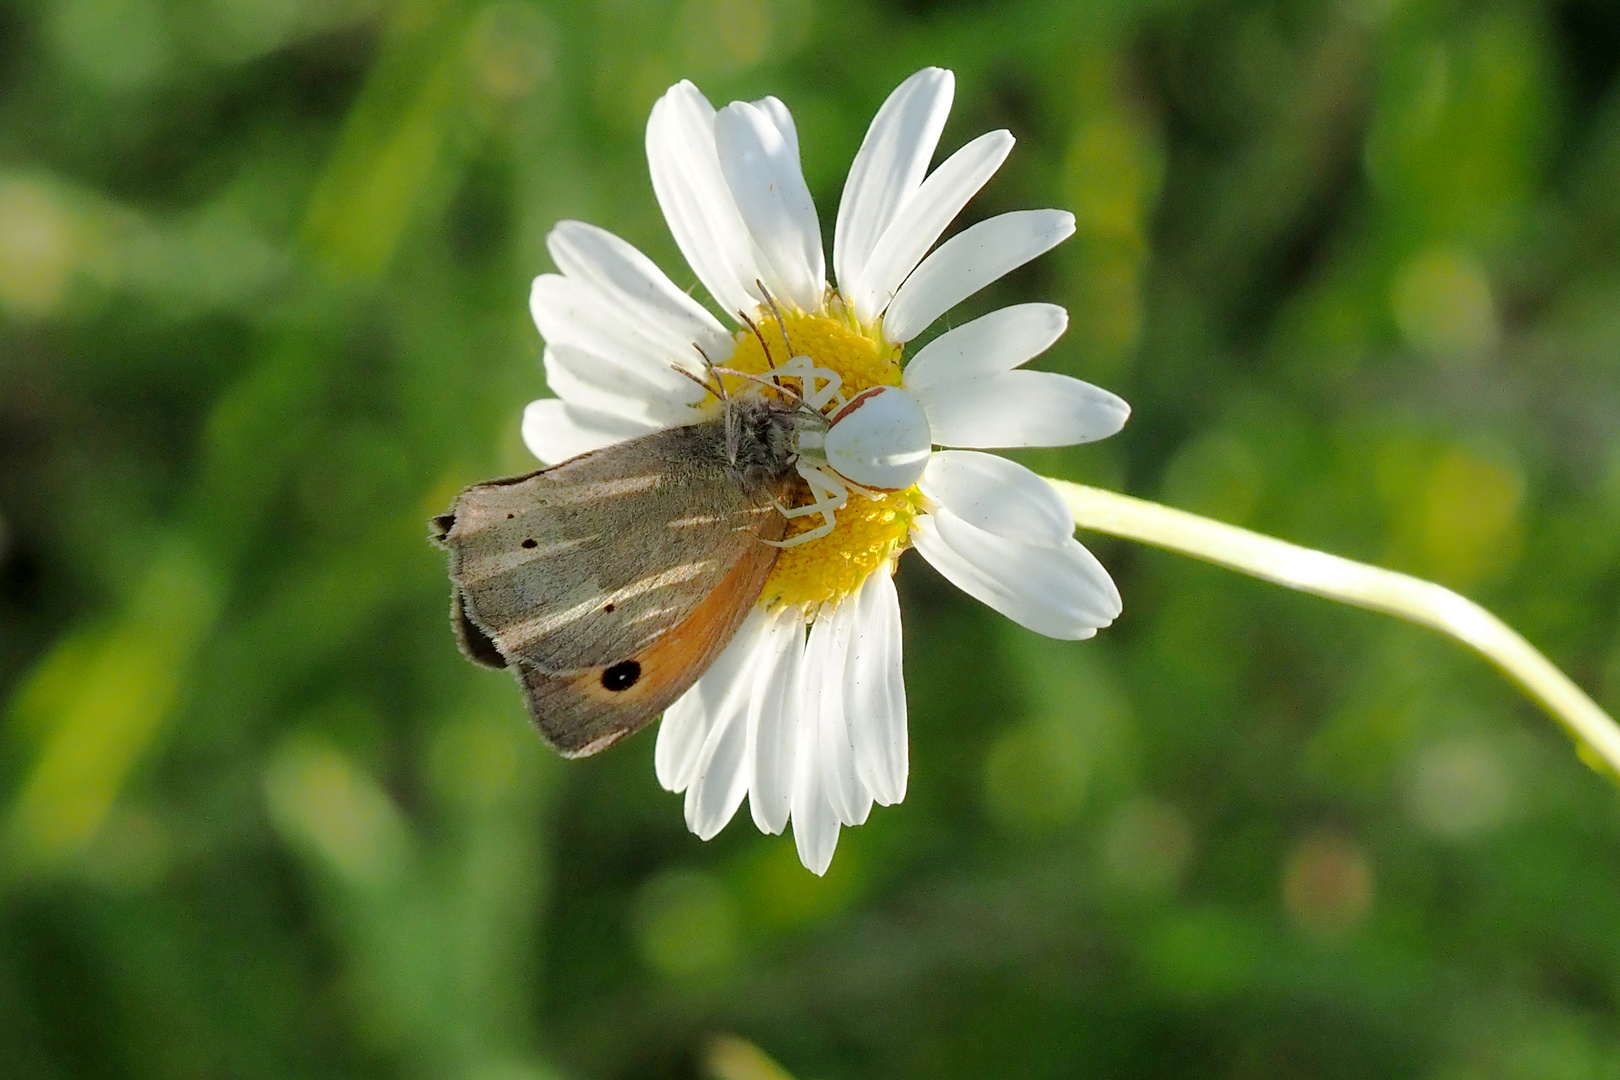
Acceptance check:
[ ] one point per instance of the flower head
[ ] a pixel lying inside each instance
(804, 713)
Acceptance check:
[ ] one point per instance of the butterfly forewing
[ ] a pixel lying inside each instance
(611, 581)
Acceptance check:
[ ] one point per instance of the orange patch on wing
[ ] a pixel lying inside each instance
(690, 644)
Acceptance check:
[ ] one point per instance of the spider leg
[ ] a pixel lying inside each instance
(801, 367)
(830, 494)
(818, 397)
(827, 486)
(805, 537)
(791, 512)
(830, 491)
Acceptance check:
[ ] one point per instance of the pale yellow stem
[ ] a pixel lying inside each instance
(1596, 734)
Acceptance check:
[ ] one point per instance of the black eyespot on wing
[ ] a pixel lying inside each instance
(608, 607)
(529, 543)
(621, 676)
(442, 524)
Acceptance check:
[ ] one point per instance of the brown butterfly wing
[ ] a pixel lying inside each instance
(610, 582)
(581, 712)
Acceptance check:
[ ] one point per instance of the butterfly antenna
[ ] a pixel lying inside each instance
(707, 389)
(708, 367)
(769, 385)
(733, 434)
(759, 337)
(781, 323)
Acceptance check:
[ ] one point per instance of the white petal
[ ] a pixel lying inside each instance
(1062, 592)
(722, 775)
(1021, 408)
(697, 204)
(997, 495)
(591, 384)
(924, 216)
(969, 261)
(989, 345)
(721, 778)
(888, 168)
(782, 118)
(681, 734)
(687, 723)
(815, 823)
(774, 723)
(875, 691)
(815, 827)
(761, 166)
(571, 312)
(826, 655)
(632, 282)
(554, 431)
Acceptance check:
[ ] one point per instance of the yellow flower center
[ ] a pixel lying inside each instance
(870, 532)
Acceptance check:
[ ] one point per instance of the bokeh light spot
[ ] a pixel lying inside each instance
(321, 801)
(1036, 774)
(39, 245)
(1146, 845)
(1459, 788)
(686, 924)
(115, 44)
(511, 50)
(1327, 884)
(725, 35)
(1443, 306)
(1470, 524)
(731, 1058)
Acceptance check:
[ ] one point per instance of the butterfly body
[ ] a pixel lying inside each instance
(609, 583)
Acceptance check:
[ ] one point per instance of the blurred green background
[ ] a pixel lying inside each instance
(263, 279)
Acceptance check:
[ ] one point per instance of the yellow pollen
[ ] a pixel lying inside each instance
(829, 340)
(871, 532)
(869, 535)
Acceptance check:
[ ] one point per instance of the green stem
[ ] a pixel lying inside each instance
(1596, 734)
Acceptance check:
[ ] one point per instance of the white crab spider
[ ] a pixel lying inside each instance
(818, 390)
(879, 441)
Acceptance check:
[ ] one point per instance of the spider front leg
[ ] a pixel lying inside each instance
(829, 492)
(818, 386)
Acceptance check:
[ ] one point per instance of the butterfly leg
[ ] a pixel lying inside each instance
(829, 493)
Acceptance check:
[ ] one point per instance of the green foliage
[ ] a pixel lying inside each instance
(263, 278)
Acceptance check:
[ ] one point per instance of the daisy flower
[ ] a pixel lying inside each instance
(804, 713)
